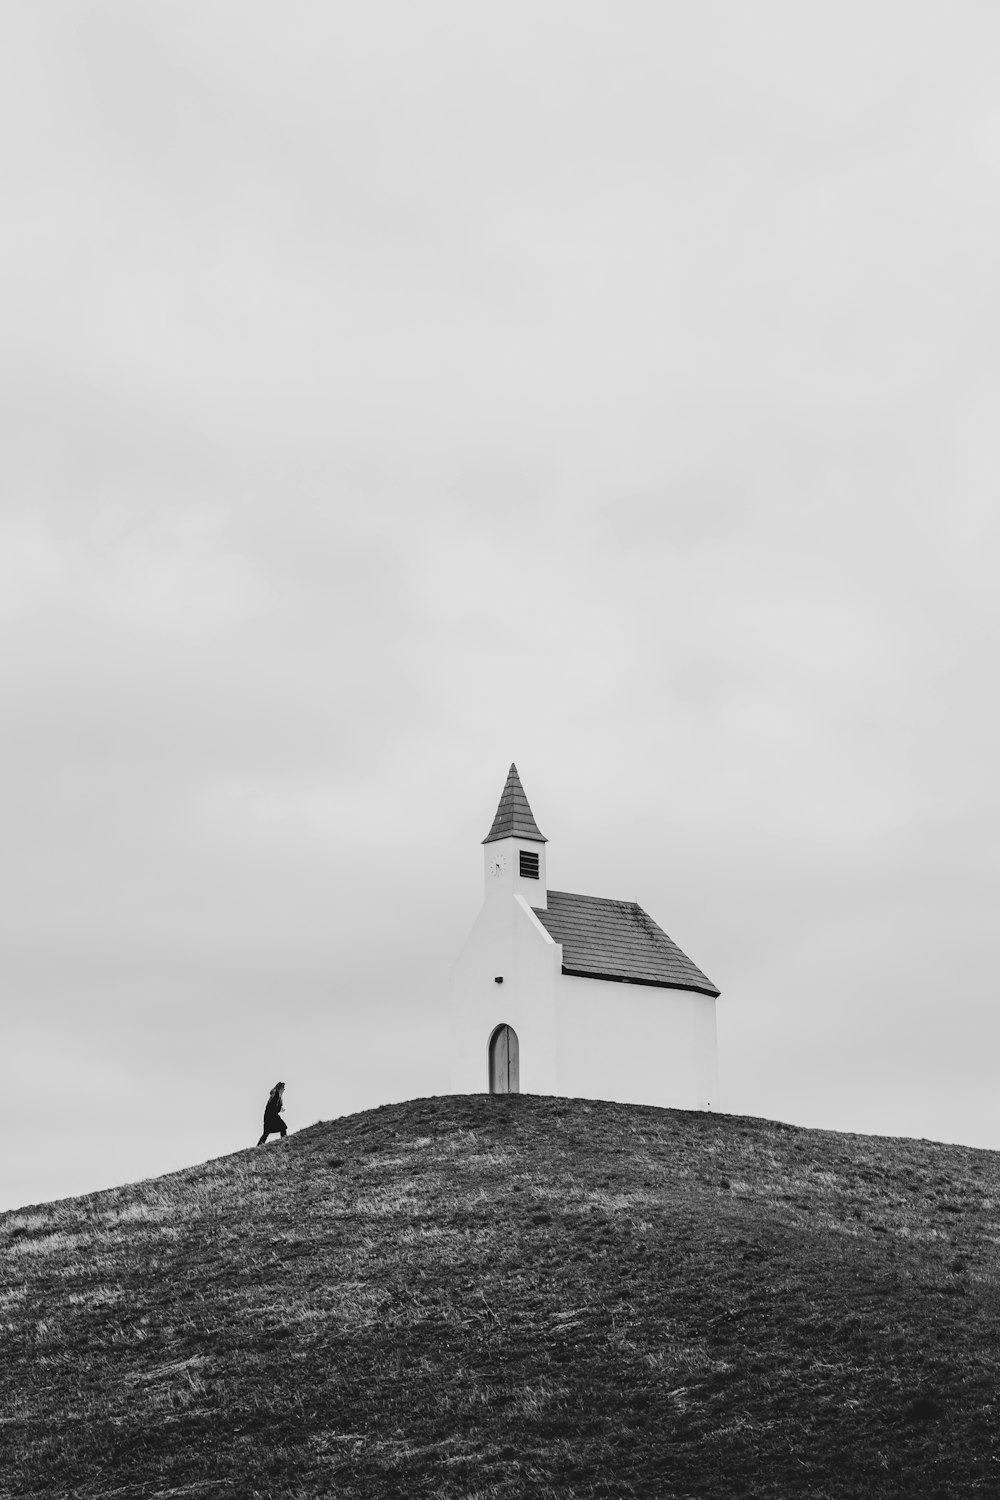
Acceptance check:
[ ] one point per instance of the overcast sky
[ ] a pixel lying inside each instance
(393, 391)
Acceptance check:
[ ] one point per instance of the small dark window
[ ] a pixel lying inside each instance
(529, 865)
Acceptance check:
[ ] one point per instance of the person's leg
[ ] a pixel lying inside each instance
(283, 1128)
(262, 1139)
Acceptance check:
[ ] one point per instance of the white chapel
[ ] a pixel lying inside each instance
(579, 996)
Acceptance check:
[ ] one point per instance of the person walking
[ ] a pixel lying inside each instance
(273, 1123)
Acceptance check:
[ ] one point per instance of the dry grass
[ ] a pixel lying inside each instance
(498, 1297)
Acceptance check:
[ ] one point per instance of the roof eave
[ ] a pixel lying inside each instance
(707, 988)
(526, 838)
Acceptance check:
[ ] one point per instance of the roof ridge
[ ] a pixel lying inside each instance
(582, 896)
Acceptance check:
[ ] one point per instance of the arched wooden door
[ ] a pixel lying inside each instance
(505, 1075)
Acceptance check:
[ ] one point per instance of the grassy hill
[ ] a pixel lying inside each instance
(514, 1296)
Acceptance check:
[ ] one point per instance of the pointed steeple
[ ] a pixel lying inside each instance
(514, 818)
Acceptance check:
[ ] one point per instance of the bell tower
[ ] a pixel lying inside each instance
(503, 985)
(514, 849)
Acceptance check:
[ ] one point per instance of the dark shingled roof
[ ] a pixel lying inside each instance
(514, 817)
(617, 940)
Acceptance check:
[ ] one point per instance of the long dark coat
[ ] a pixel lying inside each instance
(272, 1115)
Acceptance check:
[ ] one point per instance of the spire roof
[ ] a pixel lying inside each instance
(514, 818)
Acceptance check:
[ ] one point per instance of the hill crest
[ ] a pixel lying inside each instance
(491, 1296)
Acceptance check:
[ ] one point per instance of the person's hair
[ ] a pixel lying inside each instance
(278, 1089)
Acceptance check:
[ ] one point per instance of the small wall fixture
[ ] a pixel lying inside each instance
(498, 979)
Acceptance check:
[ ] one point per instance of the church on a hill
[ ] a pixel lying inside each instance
(579, 996)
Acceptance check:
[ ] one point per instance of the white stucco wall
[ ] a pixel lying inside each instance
(507, 939)
(636, 1043)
